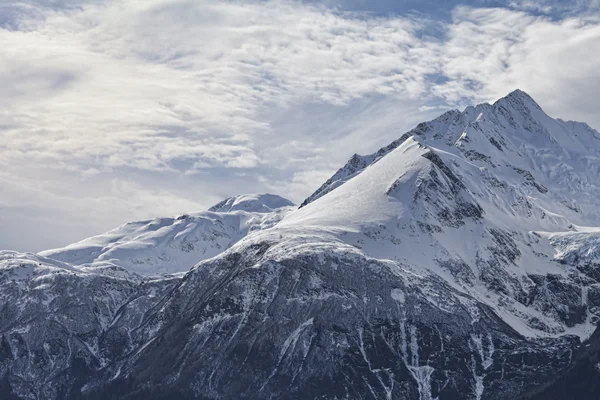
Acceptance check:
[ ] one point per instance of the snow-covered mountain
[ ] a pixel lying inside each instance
(459, 262)
(488, 199)
(175, 244)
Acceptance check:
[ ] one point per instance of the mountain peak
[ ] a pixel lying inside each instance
(518, 96)
(510, 131)
(255, 202)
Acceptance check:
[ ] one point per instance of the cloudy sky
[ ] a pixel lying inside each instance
(119, 110)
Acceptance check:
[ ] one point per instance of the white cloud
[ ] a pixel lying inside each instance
(488, 52)
(184, 102)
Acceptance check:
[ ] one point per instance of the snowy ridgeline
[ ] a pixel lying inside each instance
(460, 261)
(175, 244)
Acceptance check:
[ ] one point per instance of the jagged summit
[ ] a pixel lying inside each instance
(518, 96)
(512, 129)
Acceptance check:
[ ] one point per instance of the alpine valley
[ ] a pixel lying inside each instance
(461, 261)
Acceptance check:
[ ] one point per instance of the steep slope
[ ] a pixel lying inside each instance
(455, 263)
(54, 319)
(581, 380)
(170, 245)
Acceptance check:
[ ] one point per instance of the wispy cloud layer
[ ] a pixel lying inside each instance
(128, 109)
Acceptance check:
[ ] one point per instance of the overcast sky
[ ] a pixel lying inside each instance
(112, 111)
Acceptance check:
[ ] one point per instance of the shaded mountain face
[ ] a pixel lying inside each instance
(581, 380)
(459, 262)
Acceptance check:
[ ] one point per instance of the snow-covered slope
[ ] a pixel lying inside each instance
(170, 245)
(463, 197)
(459, 262)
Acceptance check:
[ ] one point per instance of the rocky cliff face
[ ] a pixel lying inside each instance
(580, 380)
(455, 263)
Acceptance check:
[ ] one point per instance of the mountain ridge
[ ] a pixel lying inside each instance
(357, 162)
(175, 244)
